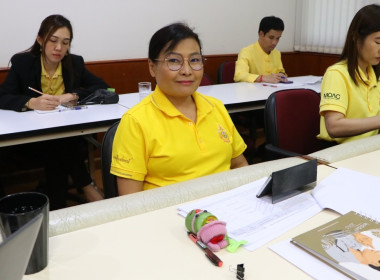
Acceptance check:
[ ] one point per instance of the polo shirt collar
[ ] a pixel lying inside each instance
(57, 73)
(160, 100)
(371, 81)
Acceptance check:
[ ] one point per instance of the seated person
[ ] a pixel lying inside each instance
(50, 68)
(350, 89)
(261, 62)
(175, 133)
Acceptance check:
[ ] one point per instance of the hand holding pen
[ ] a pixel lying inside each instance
(209, 254)
(43, 102)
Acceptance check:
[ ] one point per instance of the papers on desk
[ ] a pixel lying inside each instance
(298, 82)
(61, 108)
(306, 262)
(344, 190)
(259, 221)
(253, 219)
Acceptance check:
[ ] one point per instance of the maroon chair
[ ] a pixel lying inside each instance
(206, 80)
(292, 123)
(226, 72)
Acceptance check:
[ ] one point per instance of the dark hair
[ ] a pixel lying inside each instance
(48, 26)
(365, 22)
(271, 22)
(168, 37)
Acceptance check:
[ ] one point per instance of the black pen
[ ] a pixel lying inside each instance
(209, 254)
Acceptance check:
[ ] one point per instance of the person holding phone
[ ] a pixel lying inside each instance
(175, 133)
(350, 89)
(41, 78)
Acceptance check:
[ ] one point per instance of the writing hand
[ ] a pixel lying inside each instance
(44, 102)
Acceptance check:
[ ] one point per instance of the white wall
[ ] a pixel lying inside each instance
(121, 29)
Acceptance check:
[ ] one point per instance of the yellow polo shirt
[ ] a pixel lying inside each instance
(339, 93)
(253, 61)
(157, 144)
(52, 85)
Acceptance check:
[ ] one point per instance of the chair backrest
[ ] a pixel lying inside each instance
(226, 72)
(109, 180)
(292, 120)
(206, 80)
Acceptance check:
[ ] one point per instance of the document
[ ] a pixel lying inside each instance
(315, 268)
(253, 219)
(298, 82)
(346, 243)
(258, 221)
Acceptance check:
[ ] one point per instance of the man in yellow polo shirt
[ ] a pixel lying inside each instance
(155, 143)
(339, 93)
(261, 62)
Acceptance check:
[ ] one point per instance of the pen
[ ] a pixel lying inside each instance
(35, 90)
(266, 85)
(79, 107)
(209, 254)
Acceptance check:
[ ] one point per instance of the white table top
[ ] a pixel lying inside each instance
(368, 163)
(155, 245)
(236, 97)
(16, 128)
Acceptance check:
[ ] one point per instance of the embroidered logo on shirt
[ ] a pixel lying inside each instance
(122, 159)
(329, 95)
(223, 134)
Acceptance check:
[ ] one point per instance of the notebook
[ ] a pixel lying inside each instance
(349, 243)
(16, 249)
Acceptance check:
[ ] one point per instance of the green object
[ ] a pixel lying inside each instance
(234, 245)
(111, 89)
(197, 218)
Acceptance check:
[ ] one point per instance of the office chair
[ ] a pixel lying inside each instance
(109, 180)
(292, 123)
(226, 72)
(206, 80)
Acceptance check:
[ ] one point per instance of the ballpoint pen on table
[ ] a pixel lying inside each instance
(209, 254)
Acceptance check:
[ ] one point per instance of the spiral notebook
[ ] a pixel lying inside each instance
(350, 244)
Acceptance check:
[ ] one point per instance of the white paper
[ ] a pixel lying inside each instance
(253, 219)
(298, 82)
(306, 262)
(346, 190)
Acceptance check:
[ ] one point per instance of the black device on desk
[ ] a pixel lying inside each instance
(291, 181)
(100, 96)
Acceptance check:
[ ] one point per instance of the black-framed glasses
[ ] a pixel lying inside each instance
(175, 61)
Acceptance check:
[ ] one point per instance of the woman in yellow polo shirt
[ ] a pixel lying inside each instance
(175, 133)
(350, 91)
(49, 67)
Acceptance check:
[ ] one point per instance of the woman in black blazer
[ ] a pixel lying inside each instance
(49, 67)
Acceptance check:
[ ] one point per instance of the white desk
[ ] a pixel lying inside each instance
(237, 97)
(155, 245)
(25, 127)
(368, 163)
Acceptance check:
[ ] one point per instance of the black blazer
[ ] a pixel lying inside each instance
(26, 72)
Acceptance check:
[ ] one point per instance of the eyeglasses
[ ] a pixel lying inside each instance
(175, 61)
